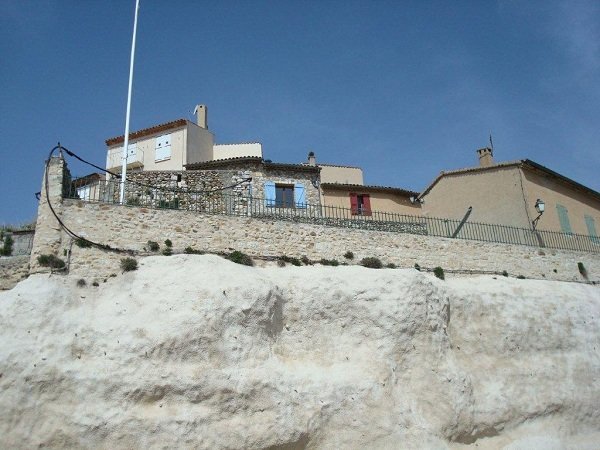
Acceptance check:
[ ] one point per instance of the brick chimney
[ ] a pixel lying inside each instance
(486, 157)
(312, 160)
(201, 112)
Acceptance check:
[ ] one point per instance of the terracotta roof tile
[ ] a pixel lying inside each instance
(361, 187)
(148, 131)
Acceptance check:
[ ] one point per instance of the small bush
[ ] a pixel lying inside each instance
(95, 283)
(504, 273)
(291, 260)
(240, 258)
(193, 251)
(305, 260)
(521, 277)
(51, 261)
(168, 251)
(81, 282)
(582, 269)
(281, 263)
(371, 263)
(128, 264)
(390, 266)
(349, 255)
(83, 243)
(168, 243)
(439, 272)
(7, 246)
(133, 201)
(153, 246)
(417, 267)
(329, 262)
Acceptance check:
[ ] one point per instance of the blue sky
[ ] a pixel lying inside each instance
(404, 89)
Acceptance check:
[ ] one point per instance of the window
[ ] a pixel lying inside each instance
(162, 148)
(591, 227)
(563, 217)
(284, 195)
(360, 204)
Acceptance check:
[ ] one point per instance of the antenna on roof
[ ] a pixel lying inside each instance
(491, 142)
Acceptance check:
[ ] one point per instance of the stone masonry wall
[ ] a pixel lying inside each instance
(12, 270)
(131, 227)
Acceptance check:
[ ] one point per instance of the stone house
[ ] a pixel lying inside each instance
(506, 193)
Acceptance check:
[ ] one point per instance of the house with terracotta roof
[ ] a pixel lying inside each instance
(173, 145)
(506, 193)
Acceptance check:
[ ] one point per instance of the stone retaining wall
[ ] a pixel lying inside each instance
(131, 227)
(12, 270)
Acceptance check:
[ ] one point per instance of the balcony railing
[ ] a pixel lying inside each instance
(114, 159)
(219, 202)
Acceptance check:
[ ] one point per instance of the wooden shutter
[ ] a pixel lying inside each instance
(269, 188)
(162, 147)
(563, 217)
(366, 205)
(591, 227)
(300, 195)
(354, 203)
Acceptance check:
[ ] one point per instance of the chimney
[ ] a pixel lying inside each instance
(312, 161)
(486, 157)
(201, 112)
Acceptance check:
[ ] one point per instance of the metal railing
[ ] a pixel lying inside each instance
(228, 203)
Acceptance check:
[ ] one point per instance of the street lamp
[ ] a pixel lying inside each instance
(540, 207)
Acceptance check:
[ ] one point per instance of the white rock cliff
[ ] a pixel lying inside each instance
(198, 352)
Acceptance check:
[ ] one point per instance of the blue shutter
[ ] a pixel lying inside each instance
(300, 195)
(563, 217)
(269, 193)
(591, 226)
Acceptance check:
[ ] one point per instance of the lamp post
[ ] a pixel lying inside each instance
(540, 207)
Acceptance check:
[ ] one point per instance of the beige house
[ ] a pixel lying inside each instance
(506, 194)
(173, 145)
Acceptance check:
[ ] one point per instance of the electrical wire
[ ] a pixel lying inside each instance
(158, 188)
(71, 233)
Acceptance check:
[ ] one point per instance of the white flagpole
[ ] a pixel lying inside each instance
(126, 143)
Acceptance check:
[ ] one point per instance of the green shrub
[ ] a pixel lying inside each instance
(349, 255)
(168, 243)
(50, 261)
(193, 251)
(128, 264)
(7, 246)
(371, 262)
(95, 283)
(281, 263)
(133, 201)
(391, 266)
(291, 260)
(168, 251)
(417, 267)
(504, 273)
(521, 277)
(81, 282)
(240, 258)
(329, 262)
(439, 272)
(83, 243)
(305, 260)
(153, 246)
(582, 269)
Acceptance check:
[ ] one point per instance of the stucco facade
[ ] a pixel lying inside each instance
(506, 194)
(382, 200)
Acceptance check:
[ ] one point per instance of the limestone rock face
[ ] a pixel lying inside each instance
(197, 352)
